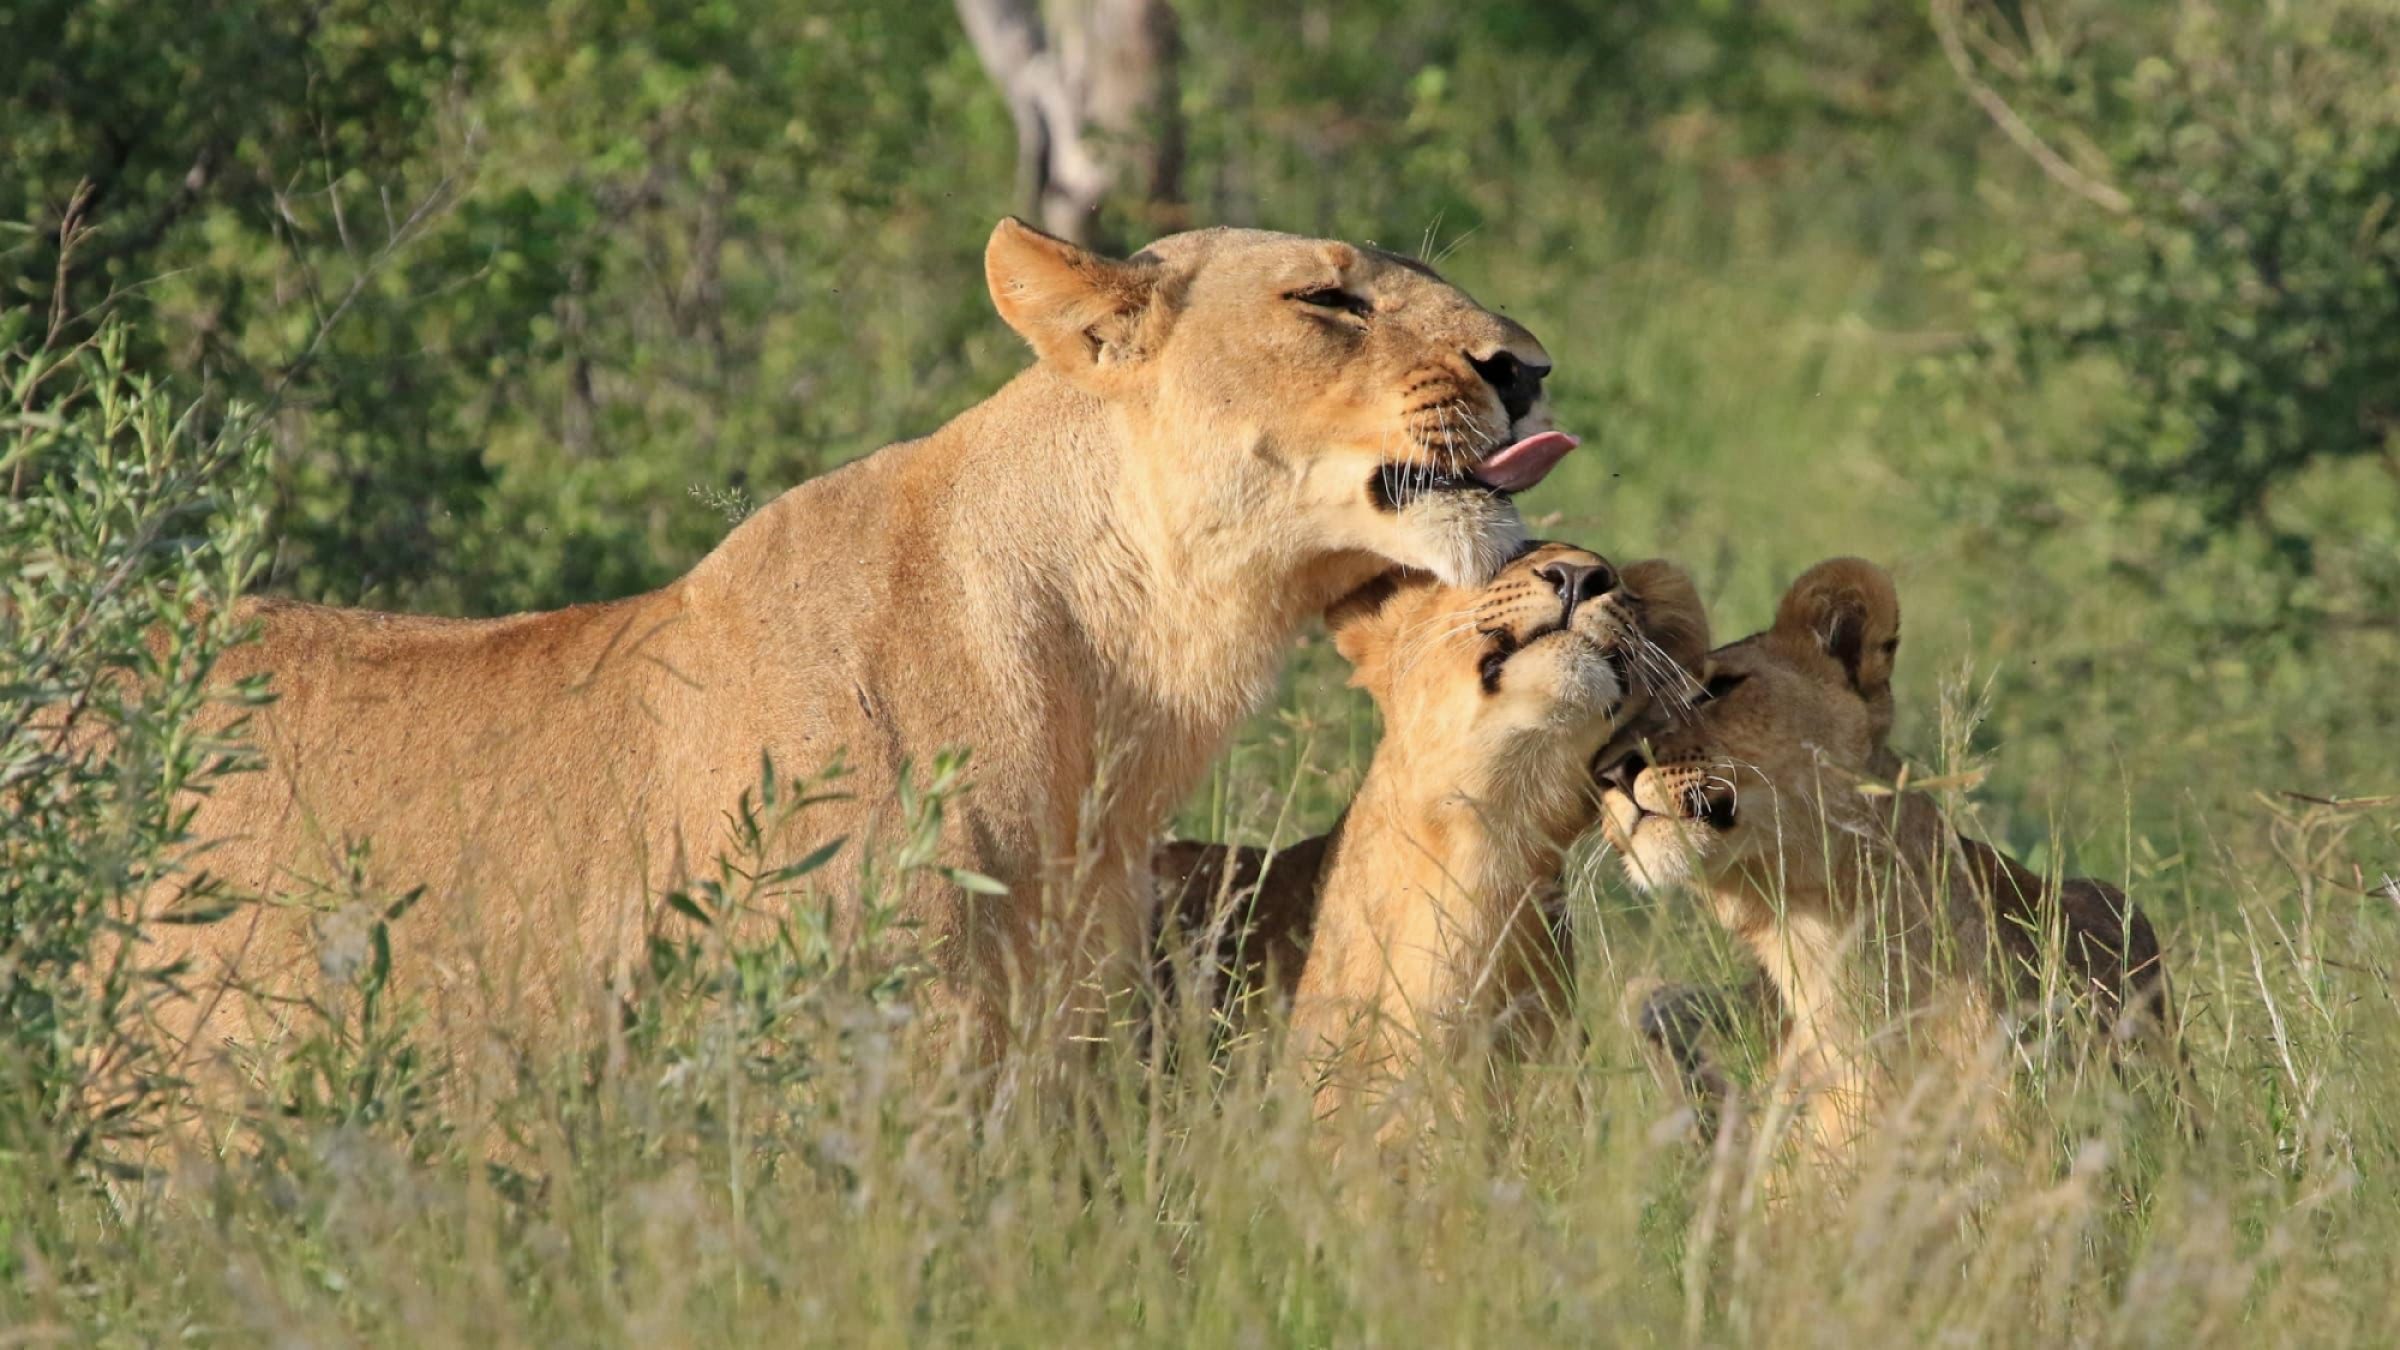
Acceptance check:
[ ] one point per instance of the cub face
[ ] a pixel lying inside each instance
(1331, 398)
(1550, 656)
(1762, 776)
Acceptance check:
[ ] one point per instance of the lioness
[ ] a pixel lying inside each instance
(1086, 579)
(1432, 918)
(1877, 924)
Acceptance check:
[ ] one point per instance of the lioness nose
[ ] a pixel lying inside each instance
(1517, 382)
(1577, 582)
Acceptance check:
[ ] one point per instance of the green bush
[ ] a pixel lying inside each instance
(517, 277)
(2230, 275)
(129, 527)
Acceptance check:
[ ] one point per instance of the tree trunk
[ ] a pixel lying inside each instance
(1094, 96)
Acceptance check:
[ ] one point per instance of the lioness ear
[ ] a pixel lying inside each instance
(1081, 312)
(1848, 608)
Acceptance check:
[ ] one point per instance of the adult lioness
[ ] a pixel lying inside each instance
(1086, 579)
(1430, 901)
(1880, 929)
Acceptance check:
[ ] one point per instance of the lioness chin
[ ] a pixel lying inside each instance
(1086, 580)
(1890, 943)
(1429, 912)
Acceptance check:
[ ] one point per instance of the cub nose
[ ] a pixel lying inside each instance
(1577, 582)
(1517, 383)
(1715, 802)
(1622, 774)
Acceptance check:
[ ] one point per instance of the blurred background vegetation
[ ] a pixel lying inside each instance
(2084, 316)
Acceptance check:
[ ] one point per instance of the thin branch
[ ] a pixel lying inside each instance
(72, 231)
(2053, 164)
(438, 197)
(2342, 803)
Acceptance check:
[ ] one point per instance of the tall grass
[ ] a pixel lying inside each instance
(677, 1192)
(757, 1159)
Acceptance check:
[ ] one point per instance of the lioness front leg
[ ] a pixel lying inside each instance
(1078, 969)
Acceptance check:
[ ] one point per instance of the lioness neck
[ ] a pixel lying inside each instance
(1041, 518)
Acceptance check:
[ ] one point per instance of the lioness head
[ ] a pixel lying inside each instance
(1762, 776)
(1329, 397)
(1555, 651)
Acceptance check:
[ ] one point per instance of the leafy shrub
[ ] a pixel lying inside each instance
(517, 276)
(2226, 259)
(129, 527)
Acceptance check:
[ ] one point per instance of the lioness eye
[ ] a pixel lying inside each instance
(1721, 686)
(1334, 297)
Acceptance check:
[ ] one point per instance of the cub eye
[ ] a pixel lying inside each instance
(1333, 298)
(1495, 658)
(1489, 668)
(1720, 687)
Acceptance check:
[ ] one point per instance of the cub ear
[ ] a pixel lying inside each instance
(1358, 620)
(1672, 616)
(1081, 312)
(1362, 624)
(1848, 609)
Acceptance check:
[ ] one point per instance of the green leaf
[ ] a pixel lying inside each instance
(975, 882)
(199, 910)
(401, 906)
(682, 902)
(817, 858)
(380, 972)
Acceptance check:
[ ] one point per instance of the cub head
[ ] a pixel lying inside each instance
(1763, 772)
(1320, 397)
(1545, 660)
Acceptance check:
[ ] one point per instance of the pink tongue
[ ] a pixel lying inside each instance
(1520, 466)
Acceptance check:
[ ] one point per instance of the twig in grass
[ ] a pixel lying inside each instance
(72, 231)
(2343, 803)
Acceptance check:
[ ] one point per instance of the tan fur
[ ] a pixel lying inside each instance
(1436, 924)
(1248, 912)
(1086, 579)
(1889, 942)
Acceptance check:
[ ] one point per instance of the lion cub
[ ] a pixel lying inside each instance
(1866, 911)
(1431, 921)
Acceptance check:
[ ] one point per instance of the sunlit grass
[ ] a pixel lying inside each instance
(1744, 405)
(739, 1174)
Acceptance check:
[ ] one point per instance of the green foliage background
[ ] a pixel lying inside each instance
(543, 292)
(539, 294)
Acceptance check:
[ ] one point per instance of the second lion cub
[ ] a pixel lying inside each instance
(1877, 924)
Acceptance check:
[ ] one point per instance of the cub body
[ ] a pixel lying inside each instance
(1429, 916)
